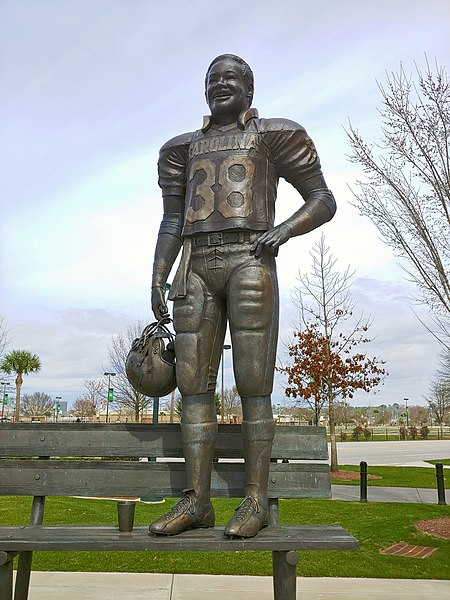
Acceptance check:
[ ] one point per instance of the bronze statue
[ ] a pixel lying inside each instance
(219, 186)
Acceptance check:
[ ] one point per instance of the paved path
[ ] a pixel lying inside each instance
(388, 494)
(155, 586)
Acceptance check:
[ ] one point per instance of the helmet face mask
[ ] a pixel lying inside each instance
(150, 364)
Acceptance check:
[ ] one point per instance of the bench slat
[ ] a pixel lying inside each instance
(92, 439)
(299, 537)
(131, 478)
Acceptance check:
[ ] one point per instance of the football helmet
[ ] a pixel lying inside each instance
(150, 364)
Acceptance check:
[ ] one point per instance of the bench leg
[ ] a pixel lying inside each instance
(284, 574)
(26, 557)
(6, 579)
(23, 576)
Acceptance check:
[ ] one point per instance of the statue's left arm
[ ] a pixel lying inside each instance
(299, 164)
(171, 179)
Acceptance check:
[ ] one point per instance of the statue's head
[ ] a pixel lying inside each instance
(228, 86)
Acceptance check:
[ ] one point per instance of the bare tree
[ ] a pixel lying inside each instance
(439, 402)
(178, 407)
(125, 395)
(296, 412)
(232, 401)
(326, 362)
(343, 412)
(418, 415)
(84, 407)
(38, 404)
(444, 370)
(92, 400)
(4, 337)
(406, 193)
(95, 393)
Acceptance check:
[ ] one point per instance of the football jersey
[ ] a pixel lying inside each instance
(227, 177)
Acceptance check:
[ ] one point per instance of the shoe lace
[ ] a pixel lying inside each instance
(248, 504)
(186, 504)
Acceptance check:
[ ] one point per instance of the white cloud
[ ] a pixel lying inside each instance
(72, 345)
(92, 90)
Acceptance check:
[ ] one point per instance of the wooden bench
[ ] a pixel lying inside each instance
(41, 473)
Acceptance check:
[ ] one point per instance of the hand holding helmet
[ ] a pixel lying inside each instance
(150, 364)
(159, 306)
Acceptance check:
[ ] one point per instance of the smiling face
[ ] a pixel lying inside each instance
(226, 91)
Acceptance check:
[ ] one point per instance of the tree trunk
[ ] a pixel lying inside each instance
(19, 381)
(333, 449)
(316, 414)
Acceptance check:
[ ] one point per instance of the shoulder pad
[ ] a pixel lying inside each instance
(274, 125)
(179, 140)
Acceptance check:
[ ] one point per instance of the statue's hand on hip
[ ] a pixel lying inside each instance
(271, 240)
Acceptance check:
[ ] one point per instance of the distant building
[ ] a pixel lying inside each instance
(63, 405)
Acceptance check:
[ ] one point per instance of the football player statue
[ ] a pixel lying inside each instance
(219, 186)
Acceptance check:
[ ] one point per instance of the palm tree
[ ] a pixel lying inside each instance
(20, 362)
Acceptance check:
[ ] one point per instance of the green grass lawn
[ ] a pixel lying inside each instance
(376, 525)
(444, 461)
(417, 477)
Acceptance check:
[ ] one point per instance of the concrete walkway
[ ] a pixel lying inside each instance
(148, 586)
(388, 494)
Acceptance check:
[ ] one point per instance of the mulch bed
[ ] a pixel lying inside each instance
(350, 476)
(439, 527)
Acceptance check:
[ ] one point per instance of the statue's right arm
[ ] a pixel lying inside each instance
(167, 249)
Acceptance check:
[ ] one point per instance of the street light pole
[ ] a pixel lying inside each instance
(58, 407)
(222, 408)
(5, 384)
(155, 417)
(406, 400)
(110, 395)
(172, 406)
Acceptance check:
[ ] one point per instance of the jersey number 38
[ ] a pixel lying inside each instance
(225, 187)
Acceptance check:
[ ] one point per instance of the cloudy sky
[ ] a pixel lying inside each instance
(90, 91)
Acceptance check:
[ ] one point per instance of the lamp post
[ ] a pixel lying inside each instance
(406, 400)
(172, 406)
(58, 407)
(155, 417)
(5, 384)
(224, 347)
(110, 396)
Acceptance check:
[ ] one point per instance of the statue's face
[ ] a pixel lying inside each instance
(226, 90)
